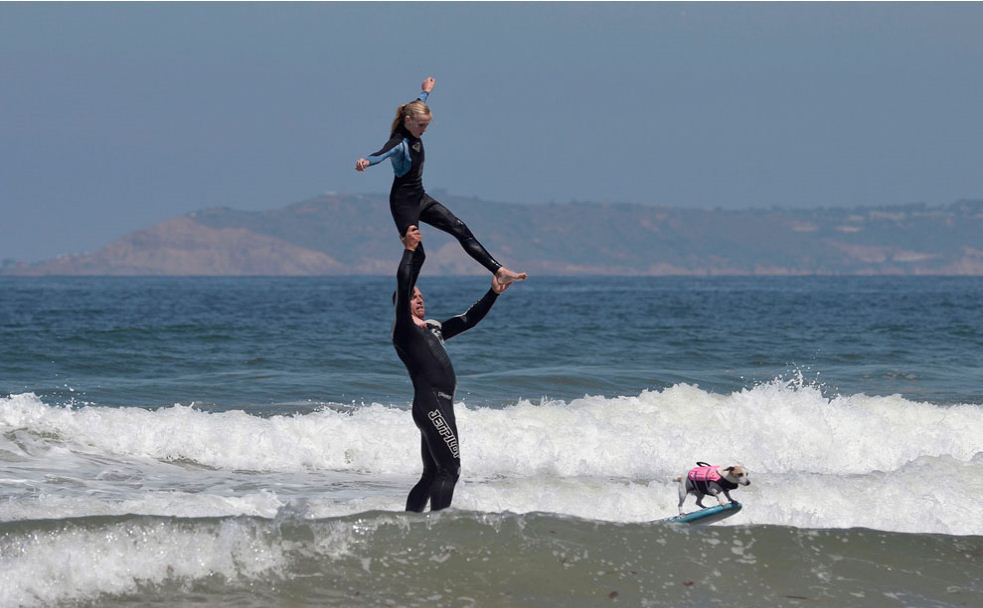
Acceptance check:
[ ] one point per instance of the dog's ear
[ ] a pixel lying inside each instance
(729, 469)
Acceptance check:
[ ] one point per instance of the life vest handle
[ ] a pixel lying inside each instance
(700, 463)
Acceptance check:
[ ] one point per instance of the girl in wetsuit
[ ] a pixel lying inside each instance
(408, 201)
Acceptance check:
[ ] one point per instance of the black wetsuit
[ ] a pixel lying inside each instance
(430, 369)
(409, 202)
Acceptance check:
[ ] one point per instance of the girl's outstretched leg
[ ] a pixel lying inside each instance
(440, 217)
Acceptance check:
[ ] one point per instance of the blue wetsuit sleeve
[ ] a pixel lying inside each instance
(461, 323)
(391, 147)
(406, 275)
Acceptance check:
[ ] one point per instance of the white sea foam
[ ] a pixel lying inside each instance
(856, 460)
(85, 560)
(771, 428)
(46, 505)
(932, 495)
(51, 566)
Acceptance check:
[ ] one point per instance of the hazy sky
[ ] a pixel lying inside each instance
(116, 116)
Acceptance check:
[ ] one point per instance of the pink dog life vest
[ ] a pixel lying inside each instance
(704, 474)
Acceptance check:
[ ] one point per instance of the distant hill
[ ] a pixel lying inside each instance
(354, 234)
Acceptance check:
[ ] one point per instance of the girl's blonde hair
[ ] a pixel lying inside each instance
(413, 108)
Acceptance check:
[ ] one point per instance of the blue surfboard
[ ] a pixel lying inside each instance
(707, 516)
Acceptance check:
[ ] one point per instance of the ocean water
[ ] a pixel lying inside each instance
(248, 442)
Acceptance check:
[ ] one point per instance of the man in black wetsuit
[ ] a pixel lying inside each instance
(420, 345)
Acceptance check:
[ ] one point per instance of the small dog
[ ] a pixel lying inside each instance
(708, 479)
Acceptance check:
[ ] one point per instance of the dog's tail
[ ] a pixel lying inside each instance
(680, 478)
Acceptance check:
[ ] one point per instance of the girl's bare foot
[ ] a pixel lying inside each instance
(506, 276)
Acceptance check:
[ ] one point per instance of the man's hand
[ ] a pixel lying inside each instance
(412, 238)
(498, 287)
(361, 164)
(428, 84)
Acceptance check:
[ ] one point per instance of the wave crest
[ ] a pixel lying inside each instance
(779, 427)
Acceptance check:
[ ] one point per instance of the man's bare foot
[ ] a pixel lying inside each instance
(506, 276)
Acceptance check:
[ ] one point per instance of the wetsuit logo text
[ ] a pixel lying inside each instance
(445, 431)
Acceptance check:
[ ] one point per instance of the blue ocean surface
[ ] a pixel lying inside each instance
(278, 344)
(248, 442)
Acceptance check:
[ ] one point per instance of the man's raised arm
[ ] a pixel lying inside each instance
(461, 323)
(406, 275)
